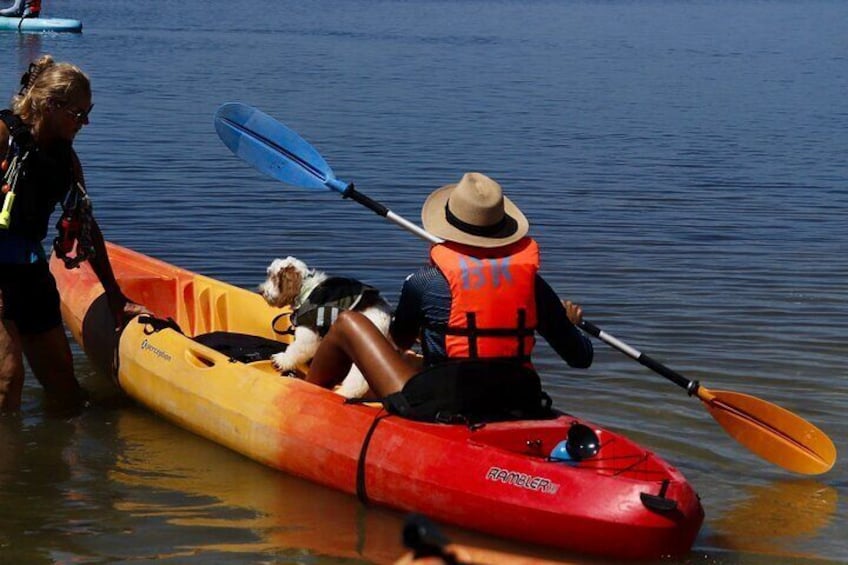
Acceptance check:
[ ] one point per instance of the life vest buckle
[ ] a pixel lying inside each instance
(74, 226)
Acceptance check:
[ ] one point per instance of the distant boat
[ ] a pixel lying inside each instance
(40, 24)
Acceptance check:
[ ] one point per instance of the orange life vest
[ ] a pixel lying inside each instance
(33, 7)
(493, 299)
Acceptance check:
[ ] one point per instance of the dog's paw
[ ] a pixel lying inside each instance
(283, 362)
(354, 385)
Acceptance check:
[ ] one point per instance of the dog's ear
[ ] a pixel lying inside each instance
(289, 282)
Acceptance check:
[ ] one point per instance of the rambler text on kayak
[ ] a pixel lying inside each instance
(522, 480)
(145, 346)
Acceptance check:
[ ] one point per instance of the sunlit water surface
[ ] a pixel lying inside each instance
(683, 165)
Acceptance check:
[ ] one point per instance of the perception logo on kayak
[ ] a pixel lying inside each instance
(146, 346)
(522, 480)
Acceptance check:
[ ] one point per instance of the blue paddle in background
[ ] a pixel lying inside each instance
(774, 433)
(282, 154)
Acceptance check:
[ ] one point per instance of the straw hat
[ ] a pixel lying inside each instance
(474, 212)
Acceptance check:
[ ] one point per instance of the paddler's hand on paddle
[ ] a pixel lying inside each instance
(573, 311)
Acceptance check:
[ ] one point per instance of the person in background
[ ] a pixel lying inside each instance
(22, 9)
(476, 310)
(40, 170)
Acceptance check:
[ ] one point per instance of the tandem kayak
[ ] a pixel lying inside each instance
(40, 24)
(195, 371)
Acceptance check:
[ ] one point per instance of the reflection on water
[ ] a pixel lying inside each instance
(122, 484)
(42, 490)
(777, 518)
(223, 504)
(29, 49)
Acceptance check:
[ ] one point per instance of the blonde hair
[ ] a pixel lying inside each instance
(48, 84)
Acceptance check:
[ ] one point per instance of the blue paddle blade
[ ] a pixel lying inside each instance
(273, 149)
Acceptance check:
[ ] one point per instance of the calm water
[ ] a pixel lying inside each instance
(683, 164)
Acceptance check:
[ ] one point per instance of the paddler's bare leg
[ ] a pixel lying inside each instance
(354, 339)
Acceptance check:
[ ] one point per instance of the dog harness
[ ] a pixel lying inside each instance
(493, 299)
(328, 299)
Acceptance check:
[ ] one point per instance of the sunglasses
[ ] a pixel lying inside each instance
(80, 115)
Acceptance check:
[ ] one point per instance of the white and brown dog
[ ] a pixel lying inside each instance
(316, 300)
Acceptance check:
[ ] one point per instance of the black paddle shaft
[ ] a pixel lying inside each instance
(691, 387)
(373, 205)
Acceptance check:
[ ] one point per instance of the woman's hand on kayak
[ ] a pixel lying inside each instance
(132, 309)
(573, 311)
(128, 310)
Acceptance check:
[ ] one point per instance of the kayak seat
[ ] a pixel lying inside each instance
(244, 348)
(472, 391)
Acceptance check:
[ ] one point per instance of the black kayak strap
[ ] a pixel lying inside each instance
(152, 324)
(361, 492)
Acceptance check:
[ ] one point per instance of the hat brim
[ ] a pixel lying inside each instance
(435, 221)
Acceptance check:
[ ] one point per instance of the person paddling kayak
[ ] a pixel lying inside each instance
(22, 9)
(476, 310)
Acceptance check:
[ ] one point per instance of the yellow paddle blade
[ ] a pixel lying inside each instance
(775, 434)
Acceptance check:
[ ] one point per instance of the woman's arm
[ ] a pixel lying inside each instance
(99, 262)
(120, 305)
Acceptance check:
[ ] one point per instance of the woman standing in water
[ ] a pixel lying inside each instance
(40, 170)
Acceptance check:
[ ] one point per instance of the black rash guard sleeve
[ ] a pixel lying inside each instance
(570, 343)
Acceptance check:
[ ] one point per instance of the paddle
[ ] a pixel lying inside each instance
(282, 154)
(773, 433)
